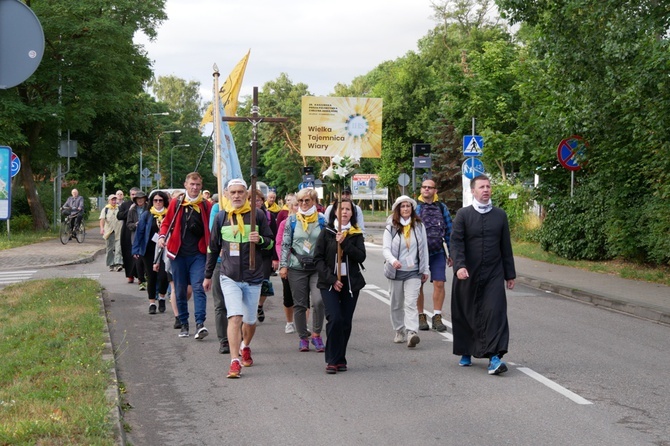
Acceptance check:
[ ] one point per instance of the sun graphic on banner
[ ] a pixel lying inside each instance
(341, 127)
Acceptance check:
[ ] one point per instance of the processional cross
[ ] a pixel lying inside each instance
(254, 119)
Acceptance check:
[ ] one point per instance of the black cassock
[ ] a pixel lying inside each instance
(481, 244)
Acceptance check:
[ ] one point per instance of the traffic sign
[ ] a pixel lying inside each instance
(472, 167)
(570, 150)
(146, 173)
(15, 164)
(21, 43)
(473, 145)
(372, 184)
(403, 179)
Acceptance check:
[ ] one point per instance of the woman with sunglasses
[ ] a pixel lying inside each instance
(297, 264)
(144, 248)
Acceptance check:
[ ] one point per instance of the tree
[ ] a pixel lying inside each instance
(90, 68)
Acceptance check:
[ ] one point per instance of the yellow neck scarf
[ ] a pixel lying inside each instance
(111, 206)
(352, 230)
(406, 231)
(285, 207)
(158, 215)
(194, 204)
(307, 219)
(246, 207)
(274, 208)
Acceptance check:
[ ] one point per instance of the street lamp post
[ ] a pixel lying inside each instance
(172, 150)
(141, 167)
(158, 167)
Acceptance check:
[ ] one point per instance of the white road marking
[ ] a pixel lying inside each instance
(10, 277)
(382, 296)
(556, 387)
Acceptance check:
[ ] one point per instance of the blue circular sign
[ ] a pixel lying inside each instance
(15, 164)
(473, 167)
(570, 151)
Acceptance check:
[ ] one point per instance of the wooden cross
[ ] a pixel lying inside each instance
(254, 119)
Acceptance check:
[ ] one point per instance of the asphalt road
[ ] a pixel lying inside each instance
(578, 375)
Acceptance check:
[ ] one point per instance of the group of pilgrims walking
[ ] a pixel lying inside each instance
(180, 247)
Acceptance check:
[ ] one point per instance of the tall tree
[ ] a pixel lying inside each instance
(91, 67)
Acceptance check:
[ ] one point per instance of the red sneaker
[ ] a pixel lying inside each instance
(235, 369)
(246, 357)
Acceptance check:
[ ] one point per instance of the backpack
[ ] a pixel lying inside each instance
(436, 229)
(293, 220)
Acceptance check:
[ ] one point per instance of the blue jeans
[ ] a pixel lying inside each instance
(190, 270)
(241, 299)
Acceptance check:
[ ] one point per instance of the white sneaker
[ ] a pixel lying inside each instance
(412, 339)
(399, 337)
(290, 328)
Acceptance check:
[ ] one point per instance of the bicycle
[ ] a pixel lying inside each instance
(67, 234)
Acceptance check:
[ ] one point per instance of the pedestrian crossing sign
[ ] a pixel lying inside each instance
(473, 145)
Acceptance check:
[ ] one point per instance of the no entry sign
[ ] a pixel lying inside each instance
(570, 151)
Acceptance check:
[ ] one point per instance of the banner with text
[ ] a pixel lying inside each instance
(341, 126)
(364, 187)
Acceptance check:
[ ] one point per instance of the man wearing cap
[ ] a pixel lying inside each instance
(346, 193)
(187, 221)
(110, 229)
(233, 240)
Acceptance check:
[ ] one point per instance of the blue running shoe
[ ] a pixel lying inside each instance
(466, 361)
(496, 366)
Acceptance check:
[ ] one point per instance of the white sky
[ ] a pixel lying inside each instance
(317, 42)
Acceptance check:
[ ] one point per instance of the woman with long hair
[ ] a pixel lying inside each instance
(340, 279)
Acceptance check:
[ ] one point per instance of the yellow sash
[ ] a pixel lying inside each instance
(194, 204)
(246, 207)
(307, 219)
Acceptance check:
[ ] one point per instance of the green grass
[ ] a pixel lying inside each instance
(619, 268)
(25, 238)
(52, 376)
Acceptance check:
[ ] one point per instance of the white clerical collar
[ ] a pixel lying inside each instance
(482, 208)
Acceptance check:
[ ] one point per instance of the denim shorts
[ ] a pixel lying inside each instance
(438, 267)
(241, 299)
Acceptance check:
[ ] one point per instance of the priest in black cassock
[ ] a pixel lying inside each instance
(483, 264)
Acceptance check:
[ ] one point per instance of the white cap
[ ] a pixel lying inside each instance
(237, 182)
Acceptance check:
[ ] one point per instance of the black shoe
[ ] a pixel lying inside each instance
(177, 323)
(423, 322)
(224, 347)
(261, 314)
(152, 308)
(184, 331)
(161, 305)
(200, 332)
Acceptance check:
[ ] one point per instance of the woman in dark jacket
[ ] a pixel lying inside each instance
(144, 249)
(339, 296)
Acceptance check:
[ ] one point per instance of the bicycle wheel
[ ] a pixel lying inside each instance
(64, 232)
(80, 233)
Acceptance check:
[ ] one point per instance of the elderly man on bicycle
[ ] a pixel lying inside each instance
(75, 206)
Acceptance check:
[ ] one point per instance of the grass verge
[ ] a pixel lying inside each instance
(52, 375)
(619, 268)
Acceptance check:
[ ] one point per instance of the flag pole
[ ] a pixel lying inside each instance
(217, 132)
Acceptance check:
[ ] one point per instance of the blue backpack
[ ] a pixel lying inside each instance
(293, 220)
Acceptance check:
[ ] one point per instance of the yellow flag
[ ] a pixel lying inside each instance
(229, 91)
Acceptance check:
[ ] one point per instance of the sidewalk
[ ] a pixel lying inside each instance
(642, 299)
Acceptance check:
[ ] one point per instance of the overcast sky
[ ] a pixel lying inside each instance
(317, 42)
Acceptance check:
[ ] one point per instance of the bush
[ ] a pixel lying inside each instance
(517, 209)
(575, 226)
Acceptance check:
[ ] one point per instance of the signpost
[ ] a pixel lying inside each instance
(403, 180)
(473, 147)
(21, 43)
(569, 152)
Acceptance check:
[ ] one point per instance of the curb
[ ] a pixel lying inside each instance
(112, 393)
(653, 314)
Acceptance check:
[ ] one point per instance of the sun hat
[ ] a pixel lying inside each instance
(402, 199)
(139, 194)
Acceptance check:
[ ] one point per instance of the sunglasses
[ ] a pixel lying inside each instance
(158, 200)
